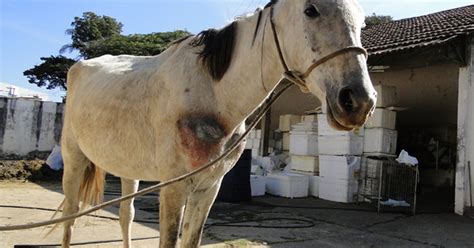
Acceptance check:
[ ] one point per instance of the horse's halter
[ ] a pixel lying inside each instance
(297, 77)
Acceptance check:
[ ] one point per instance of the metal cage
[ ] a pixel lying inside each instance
(388, 185)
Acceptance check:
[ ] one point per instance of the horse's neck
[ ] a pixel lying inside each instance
(254, 72)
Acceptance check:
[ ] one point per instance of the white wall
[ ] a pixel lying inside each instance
(28, 125)
(465, 134)
(429, 93)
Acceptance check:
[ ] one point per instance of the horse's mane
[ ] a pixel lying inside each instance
(218, 49)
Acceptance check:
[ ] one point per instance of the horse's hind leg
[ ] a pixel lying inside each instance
(75, 164)
(127, 211)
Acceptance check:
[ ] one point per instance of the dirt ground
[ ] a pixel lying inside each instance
(264, 222)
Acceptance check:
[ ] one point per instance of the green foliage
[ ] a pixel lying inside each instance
(137, 44)
(51, 73)
(91, 28)
(93, 36)
(377, 19)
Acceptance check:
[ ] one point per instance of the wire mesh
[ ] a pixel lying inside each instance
(388, 185)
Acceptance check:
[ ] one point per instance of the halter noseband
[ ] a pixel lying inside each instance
(297, 77)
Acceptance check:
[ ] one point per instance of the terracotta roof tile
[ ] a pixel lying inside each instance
(422, 31)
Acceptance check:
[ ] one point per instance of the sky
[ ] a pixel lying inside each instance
(30, 29)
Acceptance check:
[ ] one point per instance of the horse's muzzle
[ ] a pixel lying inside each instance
(351, 109)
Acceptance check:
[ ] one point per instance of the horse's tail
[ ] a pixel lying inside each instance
(91, 191)
(92, 186)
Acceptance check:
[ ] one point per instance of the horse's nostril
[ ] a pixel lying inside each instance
(346, 100)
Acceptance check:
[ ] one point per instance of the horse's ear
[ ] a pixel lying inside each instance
(271, 3)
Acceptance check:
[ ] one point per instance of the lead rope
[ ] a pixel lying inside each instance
(273, 97)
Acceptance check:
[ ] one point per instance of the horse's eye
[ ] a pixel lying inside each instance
(311, 12)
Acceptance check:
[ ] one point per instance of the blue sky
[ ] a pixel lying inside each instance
(30, 29)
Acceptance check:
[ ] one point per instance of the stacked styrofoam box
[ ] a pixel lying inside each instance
(254, 141)
(338, 143)
(339, 161)
(286, 121)
(313, 179)
(289, 185)
(304, 151)
(258, 185)
(338, 177)
(380, 133)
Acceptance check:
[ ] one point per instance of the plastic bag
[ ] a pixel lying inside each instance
(405, 158)
(55, 159)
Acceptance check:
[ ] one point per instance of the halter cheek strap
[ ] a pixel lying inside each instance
(297, 77)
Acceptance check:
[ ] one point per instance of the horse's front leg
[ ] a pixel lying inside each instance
(197, 209)
(127, 211)
(172, 199)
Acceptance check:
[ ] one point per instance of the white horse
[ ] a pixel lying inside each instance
(159, 117)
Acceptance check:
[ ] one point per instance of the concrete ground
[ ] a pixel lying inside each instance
(264, 222)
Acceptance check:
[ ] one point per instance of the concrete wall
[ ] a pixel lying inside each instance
(429, 93)
(28, 125)
(464, 194)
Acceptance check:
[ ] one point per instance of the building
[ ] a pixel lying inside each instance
(430, 60)
(10, 90)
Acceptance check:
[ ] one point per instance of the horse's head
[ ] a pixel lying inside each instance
(320, 41)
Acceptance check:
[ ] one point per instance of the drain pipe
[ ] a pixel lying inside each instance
(470, 181)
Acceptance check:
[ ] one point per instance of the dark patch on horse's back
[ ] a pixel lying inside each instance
(218, 49)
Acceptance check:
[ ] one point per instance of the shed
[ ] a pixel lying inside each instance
(430, 60)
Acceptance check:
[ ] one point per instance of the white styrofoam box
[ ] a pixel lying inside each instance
(286, 121)
(337, 190)
(258, 134)
(314, 186)
(339, 167)
(304, 143)
(257, 185)
(286, 141)
(382, 118)
(290, 185)
(256, 143)
(309, 119)
(255, 152)
(386, 96)
(380, 140)
(304, 163)
(249, 144)
(252, 134)
(324, 129)
(256, 169)
(340, 145)
(305, 127)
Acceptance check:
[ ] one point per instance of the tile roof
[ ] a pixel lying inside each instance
(416, 32)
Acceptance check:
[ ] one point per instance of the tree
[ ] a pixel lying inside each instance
(94, 36)
(90, 28)
(377, 19)
(51, 73)
(136, 44)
